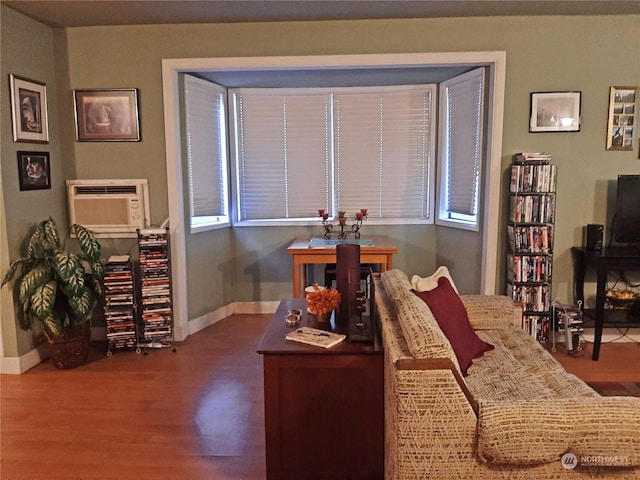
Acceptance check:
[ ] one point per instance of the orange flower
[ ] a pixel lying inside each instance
(322, 300)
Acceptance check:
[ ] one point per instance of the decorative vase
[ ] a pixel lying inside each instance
(70, 350)
(324, 317)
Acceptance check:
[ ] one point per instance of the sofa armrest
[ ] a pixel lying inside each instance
(438, 364)
(488, 312)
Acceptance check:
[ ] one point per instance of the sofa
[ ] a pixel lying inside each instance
(513, 413)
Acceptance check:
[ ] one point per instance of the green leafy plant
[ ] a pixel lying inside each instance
(56, 287)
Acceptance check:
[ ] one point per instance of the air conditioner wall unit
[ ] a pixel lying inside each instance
(110, 208)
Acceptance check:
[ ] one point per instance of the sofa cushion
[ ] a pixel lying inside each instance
(449, 312)
(492, 311)
(515, 351)
(517, 386)
(530, 418)
(421, 332)
(429, 283)
(395, 281)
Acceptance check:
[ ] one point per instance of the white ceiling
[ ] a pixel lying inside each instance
(76, 13)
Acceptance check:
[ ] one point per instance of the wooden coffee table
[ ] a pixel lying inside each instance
(324, 408)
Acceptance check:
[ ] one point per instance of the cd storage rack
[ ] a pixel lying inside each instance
(567, 322)
(120, 305)
(530, 229)
(156, 313)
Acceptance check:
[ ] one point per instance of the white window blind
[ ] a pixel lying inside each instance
(282, 153)
(205, 111)
(462, 110)
(383, 154)
(298, 150)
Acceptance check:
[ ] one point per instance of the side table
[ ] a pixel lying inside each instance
(324, 408)
(603, 261)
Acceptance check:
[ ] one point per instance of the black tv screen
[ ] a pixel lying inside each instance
(626, 227)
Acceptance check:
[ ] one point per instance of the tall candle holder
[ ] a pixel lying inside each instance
(344, 229)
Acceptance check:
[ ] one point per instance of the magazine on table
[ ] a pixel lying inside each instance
(315, 337)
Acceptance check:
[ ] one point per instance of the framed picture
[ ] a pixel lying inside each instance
(621, 123)
(29, 110)
(34, 172)
(107, 115)
(555, 112)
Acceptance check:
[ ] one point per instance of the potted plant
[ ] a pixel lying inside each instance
(59, 289)
(321, 301)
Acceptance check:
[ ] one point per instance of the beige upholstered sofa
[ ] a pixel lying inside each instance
(516, 414)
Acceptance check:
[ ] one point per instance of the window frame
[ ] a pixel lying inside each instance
(443, 218)
(203, 223)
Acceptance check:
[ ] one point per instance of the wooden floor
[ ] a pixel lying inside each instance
(618, 362)
(194, 414)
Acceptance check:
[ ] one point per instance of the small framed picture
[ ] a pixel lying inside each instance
(555, 112)
(34, 172)
(29, 110)
(107, 115)
(621, 122)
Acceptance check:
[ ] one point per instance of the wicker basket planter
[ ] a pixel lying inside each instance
(71, 350)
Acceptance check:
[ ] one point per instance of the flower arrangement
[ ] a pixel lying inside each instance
(322, 300)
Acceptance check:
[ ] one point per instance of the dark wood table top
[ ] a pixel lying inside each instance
(273, 340)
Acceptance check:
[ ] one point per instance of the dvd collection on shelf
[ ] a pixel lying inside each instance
(530, 239)
(119, 306)
(155, 287)
(529, 268)
(530, 235)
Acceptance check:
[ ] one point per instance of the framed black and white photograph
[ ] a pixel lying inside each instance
(29, 110)
(621, 121)
(34, 170)
(555, 112)
(107, 115)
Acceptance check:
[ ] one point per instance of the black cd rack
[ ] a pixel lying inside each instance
(156, 313)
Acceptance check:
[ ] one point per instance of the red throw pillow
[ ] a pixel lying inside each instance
(451, 315)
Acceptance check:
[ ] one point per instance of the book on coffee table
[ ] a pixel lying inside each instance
(315, 337)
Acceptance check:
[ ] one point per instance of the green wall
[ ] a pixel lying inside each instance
(26, 51)
(543, 54)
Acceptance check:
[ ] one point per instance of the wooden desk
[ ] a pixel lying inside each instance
(380, 253)
(604, 261)
(324, 409)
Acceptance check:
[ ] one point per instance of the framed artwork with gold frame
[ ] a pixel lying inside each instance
(621, 122)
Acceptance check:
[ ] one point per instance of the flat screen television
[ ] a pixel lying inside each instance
(626, 223)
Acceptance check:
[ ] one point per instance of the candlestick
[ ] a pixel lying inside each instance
(343, 233)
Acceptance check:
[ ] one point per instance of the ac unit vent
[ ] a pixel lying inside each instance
(104, 189)
(110, 208)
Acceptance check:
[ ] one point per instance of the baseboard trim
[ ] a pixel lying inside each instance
(18, 365)
(614, 335)
(255, 308)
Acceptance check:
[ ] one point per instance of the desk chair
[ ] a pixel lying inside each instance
(365, 269)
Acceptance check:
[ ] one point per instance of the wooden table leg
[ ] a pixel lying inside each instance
(296, 277)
